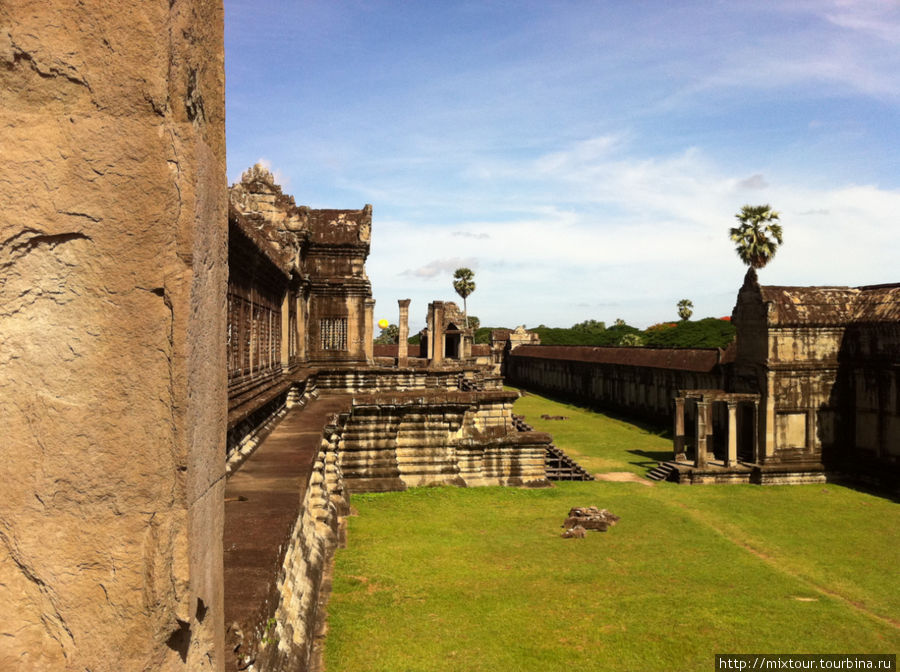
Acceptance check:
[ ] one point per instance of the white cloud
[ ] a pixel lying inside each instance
(876, 18)
(756, 181)
(470, 234)
(642, 233)
(440, 266)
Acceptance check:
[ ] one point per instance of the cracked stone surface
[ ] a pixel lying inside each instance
(112, 264)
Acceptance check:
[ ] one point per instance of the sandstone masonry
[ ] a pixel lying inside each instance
(113, 329)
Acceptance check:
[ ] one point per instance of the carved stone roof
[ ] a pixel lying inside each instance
(682, 359)
(260, 234)
(823, 306)
(831, 306)
(340, 227)
(257, 196)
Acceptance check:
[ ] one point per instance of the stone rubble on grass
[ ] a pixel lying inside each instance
(585, 518)
(576, 532)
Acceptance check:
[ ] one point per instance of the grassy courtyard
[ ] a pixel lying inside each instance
(479, 579)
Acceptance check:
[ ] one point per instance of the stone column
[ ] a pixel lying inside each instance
(302, 323)
(678, 440)
(756, 432)
(286, 330)
(113, 387)
(702, 424)
(768, 450)
(403, 336)
(368, 328)
(436, 337)
(731, 458)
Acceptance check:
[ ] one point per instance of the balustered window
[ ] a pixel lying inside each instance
(253, 337)
(333, 333)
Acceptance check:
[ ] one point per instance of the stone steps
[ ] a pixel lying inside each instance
(558, 465)
(561, 467)
(662, 472)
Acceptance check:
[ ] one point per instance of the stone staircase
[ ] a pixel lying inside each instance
(559, 466)
(662, 472)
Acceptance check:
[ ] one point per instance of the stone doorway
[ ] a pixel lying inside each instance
(452, 342)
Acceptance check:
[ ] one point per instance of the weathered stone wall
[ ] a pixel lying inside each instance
(825, 362)
(113, 325)
(392, 442)
(869, 377)
(291, 639)
(377, 380)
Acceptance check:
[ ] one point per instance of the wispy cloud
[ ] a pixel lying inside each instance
(875, 18)
(470, 234)
(753, 182)
(440, 266)
(644, 233)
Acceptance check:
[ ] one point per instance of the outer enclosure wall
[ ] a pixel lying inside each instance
(644, 391)
(113, 392)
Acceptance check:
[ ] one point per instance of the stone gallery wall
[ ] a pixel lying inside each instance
(638, 381)
(871, 378)
(113, 330)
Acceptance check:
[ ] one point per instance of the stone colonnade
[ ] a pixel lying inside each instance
(704, 400)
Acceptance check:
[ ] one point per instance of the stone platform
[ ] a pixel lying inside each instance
(715, 471)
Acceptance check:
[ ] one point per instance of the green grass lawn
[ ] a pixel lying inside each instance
(479, 579)
(597, 442)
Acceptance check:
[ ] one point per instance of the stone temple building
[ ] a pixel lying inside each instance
(190, 392)
(825, 362)
(298, 294)
(810, 388)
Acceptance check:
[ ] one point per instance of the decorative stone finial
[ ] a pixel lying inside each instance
(258, 173)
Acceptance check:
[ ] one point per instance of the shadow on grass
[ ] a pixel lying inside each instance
(653, 457)
(874, 489)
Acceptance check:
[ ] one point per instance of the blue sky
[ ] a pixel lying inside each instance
(585, 159)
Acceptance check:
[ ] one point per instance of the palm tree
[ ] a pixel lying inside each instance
(464, 284)
(758, 236)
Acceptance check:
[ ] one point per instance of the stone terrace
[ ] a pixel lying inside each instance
(262, 502)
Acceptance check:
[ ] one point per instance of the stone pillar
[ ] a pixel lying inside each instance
(702, 424)
(302, 320)
(731, 457)
(768, 450)
(756, 432)
(678, 440)
(436, 335)
(369, 327)
(286, 331)
(403, 335)
(113, 302)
